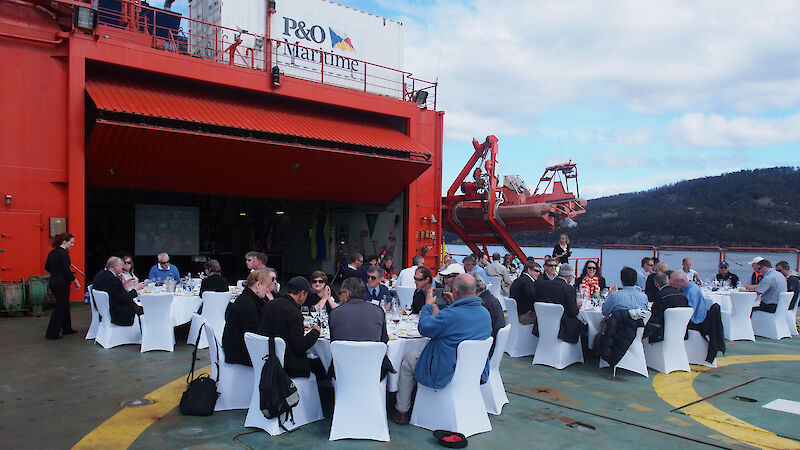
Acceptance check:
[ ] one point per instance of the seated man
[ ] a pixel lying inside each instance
(772, 284)
(465, 319)
(690, 273)
(282, 318)
(562, 292)
(550, 268)
(163, 270)
(755, 277)
(629, 297)
(725, 274)
(376, 292)
(471, 266)
(667, 297)
(523, 291)
(643, 272)
(423, 280)
(255, 260)
(356, 261)
(356, 319)
(497, 269)
(406, 276)
(120, 296)
(679, 280)
(243, 316)
(492, 304)
(792, 280)
(707, 321)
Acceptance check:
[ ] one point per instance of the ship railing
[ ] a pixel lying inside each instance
(187, 37)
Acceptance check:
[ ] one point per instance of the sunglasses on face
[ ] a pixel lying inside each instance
(419, 279)
(249, 259)
(591, 268)
(372, 277)
(126, 262)
(318, 281)
(551, 265)
(537, 270)
(165, 262)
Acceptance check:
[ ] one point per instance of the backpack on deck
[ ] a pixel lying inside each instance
(278, 395)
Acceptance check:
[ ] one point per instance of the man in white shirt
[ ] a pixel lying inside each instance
(644, 271)
(406, 276)
(691, 274)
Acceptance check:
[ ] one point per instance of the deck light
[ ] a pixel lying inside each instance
(84, 18)
(421, 98)
(276, 76)
(280, 213)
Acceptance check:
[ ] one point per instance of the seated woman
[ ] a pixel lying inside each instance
(591, 280)
(389, 272)
(272, 291)
(127, 270)
(213, 281)
(423, 280)
(320, 295)
(243, 315)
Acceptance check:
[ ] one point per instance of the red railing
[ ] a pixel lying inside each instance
(222, 45)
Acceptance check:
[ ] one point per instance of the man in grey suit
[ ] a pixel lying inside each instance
(355, 319)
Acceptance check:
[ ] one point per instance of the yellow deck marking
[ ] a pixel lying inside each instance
(676, 389)
(122, 429)
(570, 383)
(602, 394)
(682, 423)
(639, 407)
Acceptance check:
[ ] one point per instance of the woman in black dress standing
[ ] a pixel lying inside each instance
(58, 264)
(562, 250)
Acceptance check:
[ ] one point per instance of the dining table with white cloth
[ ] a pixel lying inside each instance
(592, 317)
(722, 297)
(184, 305)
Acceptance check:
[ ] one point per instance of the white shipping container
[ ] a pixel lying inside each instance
(245, 18)
(316, 34)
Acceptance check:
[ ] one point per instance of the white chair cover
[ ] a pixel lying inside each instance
(736, 323)
(493, 391)
(235, 384)
(551, 350)
(791, 318)
(773, 326)
(669, 355)
(108, 334)
(157, 330)
(633, 359)
(214, 306)
(405, 295)
(308, 410)
(459, 405)
(521, 341)
(91, 333)
(697, 349)
(360, 408)
(494, 286)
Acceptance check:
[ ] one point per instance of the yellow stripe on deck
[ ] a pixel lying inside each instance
(676, 389)
(124, 427)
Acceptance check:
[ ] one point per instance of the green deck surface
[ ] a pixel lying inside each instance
(53, 393)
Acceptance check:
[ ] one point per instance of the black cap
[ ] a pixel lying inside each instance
(450, 439)
(298, 284)
(723, 264)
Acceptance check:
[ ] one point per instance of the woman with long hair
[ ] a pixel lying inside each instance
(274, 287)
(591, 280)
(127, 269)
(562, 250)
(58, 264)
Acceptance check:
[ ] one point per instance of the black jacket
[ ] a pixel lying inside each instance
(491, 304)
(214, 283)
(560, 292)
(282, 318)
(241, 316)
(348, 272)
(667, 297)
(728, 276)
(561, 255)
(793, 284)
(383, 294)
(120, 302)
(650, 289)
(619, 333)
(58, 264)
(523, 290)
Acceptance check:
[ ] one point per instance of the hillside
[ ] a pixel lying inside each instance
(753, 208)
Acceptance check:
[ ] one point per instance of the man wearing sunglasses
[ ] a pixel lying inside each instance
(523, 291)
(644, 272)
(375, 290)
(163, 270)
(550, 269)
(255, 261)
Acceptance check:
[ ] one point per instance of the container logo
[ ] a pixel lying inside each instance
(342, 43)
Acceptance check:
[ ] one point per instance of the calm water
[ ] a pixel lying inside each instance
(704, 262)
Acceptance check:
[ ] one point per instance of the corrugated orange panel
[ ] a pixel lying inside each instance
(208, 105)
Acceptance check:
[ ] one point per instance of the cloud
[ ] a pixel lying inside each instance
(508, 60)
(717, 131)
(639, 139)
(463, 127)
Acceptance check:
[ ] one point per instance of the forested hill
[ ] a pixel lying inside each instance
(758, 208)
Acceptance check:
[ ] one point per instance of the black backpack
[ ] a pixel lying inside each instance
(277, 392)
(201, 393)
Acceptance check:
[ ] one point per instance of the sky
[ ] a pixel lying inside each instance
(638, 94)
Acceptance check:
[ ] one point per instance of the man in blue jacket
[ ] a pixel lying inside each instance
(465, 318)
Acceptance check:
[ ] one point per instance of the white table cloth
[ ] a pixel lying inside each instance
(183, 306)
(592, 318)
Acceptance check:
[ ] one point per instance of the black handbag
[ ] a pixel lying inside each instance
(201, 393)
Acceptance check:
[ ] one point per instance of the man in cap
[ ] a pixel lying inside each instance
(725, 275)
(282, 318)
(755, 277)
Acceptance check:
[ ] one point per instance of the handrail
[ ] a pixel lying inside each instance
(217, 45)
